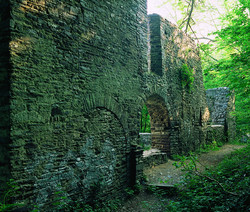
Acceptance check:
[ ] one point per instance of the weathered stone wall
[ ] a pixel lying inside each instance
(178, 115)
(221, 103)
(145, 139)
(4, 91)
(75, 82)
(76, 87)
(216, 133)
(153, 157)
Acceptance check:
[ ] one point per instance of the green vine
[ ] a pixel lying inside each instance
(187, 77)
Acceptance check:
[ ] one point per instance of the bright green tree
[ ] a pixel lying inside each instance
(231, 69)
(225, 54)
(145, 120)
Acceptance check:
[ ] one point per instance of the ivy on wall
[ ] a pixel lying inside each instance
(187, 77)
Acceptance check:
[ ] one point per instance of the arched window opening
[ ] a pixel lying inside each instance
(155, 131)
(145, 120)
(159, 123)
(145, 129)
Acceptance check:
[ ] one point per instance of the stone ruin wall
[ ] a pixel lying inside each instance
(178, 115)
(75, 90)
(75, 87)
(221, 103)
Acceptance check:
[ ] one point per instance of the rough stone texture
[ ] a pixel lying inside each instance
(75, 90)
(216, 133)
(4, 92)
(221, 103)
(153, 157)
(145, 139)
(178, 116)
(75, 97)
(96, 165)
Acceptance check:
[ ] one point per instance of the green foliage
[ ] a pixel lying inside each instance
(213, 146)
(108, 206)
(60, 202)
(187, 77)
(158, 191)
(233, 50)
(145, 120)
(224, 188)
(130, 192)
(11, 191)
(145, 147)
(240, 140)
(60, 199)
(137, 188)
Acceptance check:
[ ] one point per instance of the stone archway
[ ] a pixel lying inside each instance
(93, 165)
(160, 123)
(104, 155)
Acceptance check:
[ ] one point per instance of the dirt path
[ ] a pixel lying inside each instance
(169, 175)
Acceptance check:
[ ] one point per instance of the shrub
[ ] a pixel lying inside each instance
(12, 189)
(224, 188)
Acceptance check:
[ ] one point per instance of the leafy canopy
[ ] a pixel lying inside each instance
(231, 46)
(225, 55)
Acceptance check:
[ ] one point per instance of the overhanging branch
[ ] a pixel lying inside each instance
(189, 16)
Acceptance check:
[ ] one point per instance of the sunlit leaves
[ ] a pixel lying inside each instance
(222, 188)
(145, 120)
(232, 49)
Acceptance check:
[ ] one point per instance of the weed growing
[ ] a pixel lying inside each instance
(223, 188)
(11, 191)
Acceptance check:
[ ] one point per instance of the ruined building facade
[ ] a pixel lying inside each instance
(73, 80)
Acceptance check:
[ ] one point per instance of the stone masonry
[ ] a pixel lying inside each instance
(74, 77)
(73, 95)
(178, 115)
(221, 103)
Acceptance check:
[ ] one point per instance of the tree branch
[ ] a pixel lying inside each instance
(198, 173)
(189, 16)
(182, 22)
(200, 46)
(204, 38)
(217, 182)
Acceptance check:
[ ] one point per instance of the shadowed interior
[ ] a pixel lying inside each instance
(160, 123)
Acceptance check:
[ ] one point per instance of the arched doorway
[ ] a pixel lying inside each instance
(159, 123)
